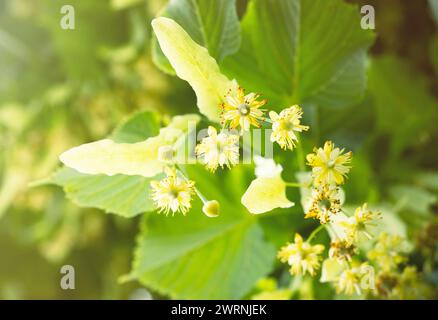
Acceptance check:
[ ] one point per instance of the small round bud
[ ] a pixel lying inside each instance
(166, 153)
(211, 208)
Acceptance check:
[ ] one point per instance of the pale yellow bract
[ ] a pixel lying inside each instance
(110, 158)
(266, 194)
(268, 191)
(193, 63)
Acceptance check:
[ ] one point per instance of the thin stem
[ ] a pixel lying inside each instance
(315, 232)
(184, 175)
(294, 184)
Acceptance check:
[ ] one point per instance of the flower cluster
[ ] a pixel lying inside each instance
(220, 149)
(395, 278)
(240, 112)
(330, 167)
(381, 275)
(385, 273)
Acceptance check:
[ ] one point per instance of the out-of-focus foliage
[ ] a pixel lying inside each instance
(389, 77)
(374, 93)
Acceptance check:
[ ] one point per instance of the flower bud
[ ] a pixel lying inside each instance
(211, 208)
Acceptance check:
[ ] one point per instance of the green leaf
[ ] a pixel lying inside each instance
(123, 195)
(302, 51)
(212, 24)
(193, 64)
(196, 257)
(405, 109)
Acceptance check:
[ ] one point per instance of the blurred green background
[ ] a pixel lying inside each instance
(60, 88)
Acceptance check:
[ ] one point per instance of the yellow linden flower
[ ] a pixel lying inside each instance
(356, 279)
(172, 193)
(387, 252)
(301, 256)
(284, 126)
(218, 149)
(342, 250)
(242, 110)
(329, 164)
(360, 224)
(325, 203)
